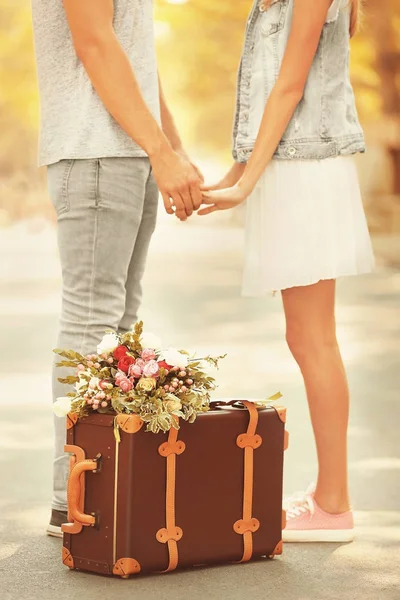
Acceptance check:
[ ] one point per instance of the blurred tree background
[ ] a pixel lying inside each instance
(199, 44)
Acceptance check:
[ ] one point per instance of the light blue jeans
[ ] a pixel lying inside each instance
(106, 211)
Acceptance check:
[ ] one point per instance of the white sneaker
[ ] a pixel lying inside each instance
(58, 517)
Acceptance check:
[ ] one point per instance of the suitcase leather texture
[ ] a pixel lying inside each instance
(208, 493)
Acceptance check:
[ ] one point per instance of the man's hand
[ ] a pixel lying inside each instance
(177, 177)
(178, 181)
(184, 154)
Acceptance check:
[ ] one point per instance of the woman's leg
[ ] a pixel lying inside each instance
(311, 336)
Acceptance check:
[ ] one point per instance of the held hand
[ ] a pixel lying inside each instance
(184, 154)
(229, 180)
(178, 182)
(222, 199)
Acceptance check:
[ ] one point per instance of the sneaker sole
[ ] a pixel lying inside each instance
(319, 535)
(54, 531)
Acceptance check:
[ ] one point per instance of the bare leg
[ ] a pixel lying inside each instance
(311, 336)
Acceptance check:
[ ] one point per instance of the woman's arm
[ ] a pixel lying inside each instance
(308, 21)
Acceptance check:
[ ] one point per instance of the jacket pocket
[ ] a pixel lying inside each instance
(273, 16)
(58, 175)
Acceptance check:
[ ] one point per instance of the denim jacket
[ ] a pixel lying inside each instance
(325, 122)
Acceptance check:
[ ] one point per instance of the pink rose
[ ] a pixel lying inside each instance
(126, 385)
(148, 354)
(135, 370)
(151, 369)
(119, 377)
(140, 362)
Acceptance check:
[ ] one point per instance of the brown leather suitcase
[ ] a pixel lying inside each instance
(210, 492)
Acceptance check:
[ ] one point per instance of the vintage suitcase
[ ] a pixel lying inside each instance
(210, 492)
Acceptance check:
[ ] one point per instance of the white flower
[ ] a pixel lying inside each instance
(149, 340)
(109, 342)
(62, 406)
(94, 383)
(175, 358)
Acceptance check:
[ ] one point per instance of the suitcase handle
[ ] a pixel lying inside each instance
(74, 491)
(222, 404)
(241, 403)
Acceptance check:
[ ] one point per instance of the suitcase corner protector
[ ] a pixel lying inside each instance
(71, 420)
(277, 550)
(67, 558)
(129, 423)
(280, 411)
(124, 567)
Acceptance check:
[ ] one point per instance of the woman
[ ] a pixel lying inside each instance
(296, 128)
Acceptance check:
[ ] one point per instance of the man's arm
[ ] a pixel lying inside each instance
(171, 132)
(109, 69)
(167, 122)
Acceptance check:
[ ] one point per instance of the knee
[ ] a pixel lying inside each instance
(296, 344)
(306, 345)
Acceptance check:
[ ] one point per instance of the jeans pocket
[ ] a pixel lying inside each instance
(58, 175)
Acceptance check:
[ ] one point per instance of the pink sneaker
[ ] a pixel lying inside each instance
(307, 522)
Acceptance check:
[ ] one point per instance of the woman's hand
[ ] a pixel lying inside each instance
(229, 180)
(227, 193)
(222, 199)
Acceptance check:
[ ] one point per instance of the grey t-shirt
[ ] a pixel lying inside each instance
(74, 121)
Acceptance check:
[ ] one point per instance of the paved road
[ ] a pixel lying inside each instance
(192, 299)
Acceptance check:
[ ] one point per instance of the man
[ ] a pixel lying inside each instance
(109, 141)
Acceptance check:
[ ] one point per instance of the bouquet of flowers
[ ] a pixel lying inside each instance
(132, 374)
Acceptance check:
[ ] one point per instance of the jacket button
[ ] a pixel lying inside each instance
(292, 150)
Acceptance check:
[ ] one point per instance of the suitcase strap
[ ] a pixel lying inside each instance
(249, 442)
(171, 534)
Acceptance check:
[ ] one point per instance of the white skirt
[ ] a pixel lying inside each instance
(305, 222)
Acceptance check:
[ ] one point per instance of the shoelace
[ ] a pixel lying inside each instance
(300, 506)
(298, 497)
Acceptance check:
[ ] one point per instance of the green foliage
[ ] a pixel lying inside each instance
(131, 339)
(70, 380)
(158, 407)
